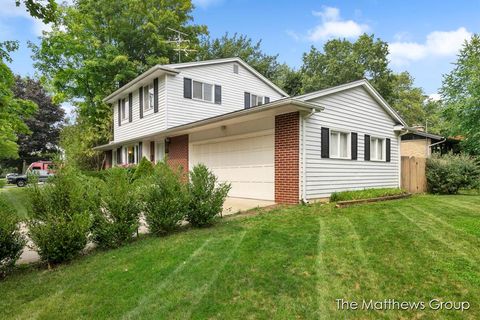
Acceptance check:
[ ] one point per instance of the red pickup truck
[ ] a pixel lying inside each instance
(43, 169)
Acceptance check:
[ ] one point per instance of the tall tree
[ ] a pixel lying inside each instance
(289, 80)
(45, 124)
(239, 46)
(45, 10)
(343, 61)
(408, 100)
(13, 111)
(99, 45)
(461, 94)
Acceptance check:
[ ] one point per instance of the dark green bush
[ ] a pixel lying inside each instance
(164, 199)
(3, 182)
(206, 196)
(144, 169)
(11, 240)
(449, 173)
(60, 214)
(117, 219)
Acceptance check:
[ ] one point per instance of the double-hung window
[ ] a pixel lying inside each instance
(148, 97)
(377, 149)
(339, 144)
(124, 109)
(202, 91)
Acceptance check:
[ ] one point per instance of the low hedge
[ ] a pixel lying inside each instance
(365, 194)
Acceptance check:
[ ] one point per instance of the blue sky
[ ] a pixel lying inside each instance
(424, 36)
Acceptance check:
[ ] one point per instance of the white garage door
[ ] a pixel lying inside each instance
(247, 163)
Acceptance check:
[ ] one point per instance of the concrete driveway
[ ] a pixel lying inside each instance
(234, 205)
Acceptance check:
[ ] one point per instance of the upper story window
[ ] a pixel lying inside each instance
(253, 100)
(204, 91)
(148, 97)
(377, 146)
(339, 144)
(124, 109)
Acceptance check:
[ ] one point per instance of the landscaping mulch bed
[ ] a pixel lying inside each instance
(341, 204)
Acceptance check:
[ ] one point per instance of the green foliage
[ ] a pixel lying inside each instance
(117, 218)
(11, 240)
(461, 95)
(206, 196)
(45, 10)
(239, 46)
(343, 61)
(13, 111)
(143, 169)
(60, 214)
(449, 173)
(77, 141)
(289, 80)
(3, 182)
(98, 45)
(365, 194)
(164, 199)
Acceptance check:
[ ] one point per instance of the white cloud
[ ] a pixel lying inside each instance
(206, 3)
(333, 26)
(10, 10)
(437, 43)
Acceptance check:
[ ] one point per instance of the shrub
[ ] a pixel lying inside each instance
(117, 218)
(206, 198)
(364, 194)
(449, 173)
(3, 182)
(164, 200)
(60, 214)
(144, 169)
(11, 240)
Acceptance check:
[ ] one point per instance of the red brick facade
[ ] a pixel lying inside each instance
(287, 153)
(178, 153)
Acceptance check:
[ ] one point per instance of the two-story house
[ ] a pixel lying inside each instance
(268, 145)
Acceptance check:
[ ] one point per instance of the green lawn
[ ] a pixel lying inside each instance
(284, 264)
(18, 198)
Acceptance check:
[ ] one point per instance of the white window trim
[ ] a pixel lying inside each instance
(146, 98)
(202, 99)
(384, 147)
(127, 110)
(258, 96)
(349, 144)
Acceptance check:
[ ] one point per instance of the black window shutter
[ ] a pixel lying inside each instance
(130, 103)
(187, 88)
(155, 95)
(387, 152)
(366, 149)
(267, 100)
(354, 145)
(325, 143)
(140, 100)
(119, 112)
(247, 100)
(140, 153)
(218, 94)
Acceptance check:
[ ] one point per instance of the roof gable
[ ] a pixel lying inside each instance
(177, 66)
(360, 83)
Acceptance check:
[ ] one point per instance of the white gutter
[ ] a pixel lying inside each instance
(304, 156)
(439, 142)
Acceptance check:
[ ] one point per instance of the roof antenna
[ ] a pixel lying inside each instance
(179, 40)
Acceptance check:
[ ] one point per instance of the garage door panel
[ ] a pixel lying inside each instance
(247, 163)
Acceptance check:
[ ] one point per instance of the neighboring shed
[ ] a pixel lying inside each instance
(419, 144)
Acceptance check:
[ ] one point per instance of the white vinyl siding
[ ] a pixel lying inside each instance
(352, 110)
(183, 110)
(150, 123)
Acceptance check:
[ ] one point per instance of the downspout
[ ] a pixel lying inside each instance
(304, 156)
(400, 157)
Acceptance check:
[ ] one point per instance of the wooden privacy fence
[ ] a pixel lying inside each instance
(413, 175)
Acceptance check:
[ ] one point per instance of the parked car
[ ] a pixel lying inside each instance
(21, 180)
